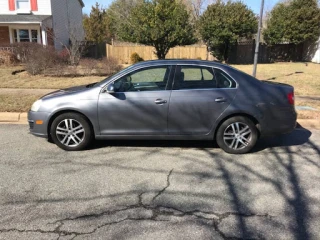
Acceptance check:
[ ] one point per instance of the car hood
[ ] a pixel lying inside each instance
(66, 91)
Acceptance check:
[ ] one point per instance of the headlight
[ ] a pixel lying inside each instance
(36, 105)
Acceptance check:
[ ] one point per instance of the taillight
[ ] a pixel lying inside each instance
(291, 98)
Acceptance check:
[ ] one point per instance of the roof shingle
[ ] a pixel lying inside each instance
(23, 18)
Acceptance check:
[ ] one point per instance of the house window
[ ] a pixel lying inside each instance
(23, 4)
(34, 35)
(26, 35)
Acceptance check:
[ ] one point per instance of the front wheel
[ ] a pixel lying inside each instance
(71, 132)
(237, 135)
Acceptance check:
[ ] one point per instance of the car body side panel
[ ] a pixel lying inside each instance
(267, 104)
(195, 111)
(133, 113)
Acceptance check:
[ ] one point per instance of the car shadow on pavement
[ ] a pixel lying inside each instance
(298, 137)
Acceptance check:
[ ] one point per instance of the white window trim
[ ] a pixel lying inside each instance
(26, 10)
(29, 28)
(16, 2)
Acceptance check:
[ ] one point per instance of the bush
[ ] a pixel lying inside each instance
(22, 50)
(105, 66)
(110, 66)
(7, 58)
(64, 55)
(89, 65)
(39, 59)
(135, 58)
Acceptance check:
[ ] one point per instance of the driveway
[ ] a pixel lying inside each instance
(159, 190)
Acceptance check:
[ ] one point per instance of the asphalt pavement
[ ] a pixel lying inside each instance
(159, 189)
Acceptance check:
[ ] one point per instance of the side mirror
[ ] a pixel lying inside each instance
(110, 88)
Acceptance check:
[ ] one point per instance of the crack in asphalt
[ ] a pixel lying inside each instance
(156, 210)
(165, 188)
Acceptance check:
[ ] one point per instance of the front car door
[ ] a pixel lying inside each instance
(139, 105)
(200, 94)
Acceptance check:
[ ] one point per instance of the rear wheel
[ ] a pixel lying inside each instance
(71, 132)
(237, 135)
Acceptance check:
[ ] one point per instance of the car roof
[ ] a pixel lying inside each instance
(182, 61)
(233, 72)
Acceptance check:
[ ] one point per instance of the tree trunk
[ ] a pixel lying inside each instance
(226, 52)
(161, 52)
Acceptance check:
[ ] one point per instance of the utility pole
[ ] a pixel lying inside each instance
(256, 53)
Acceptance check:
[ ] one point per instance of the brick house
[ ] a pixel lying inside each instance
(47, 22)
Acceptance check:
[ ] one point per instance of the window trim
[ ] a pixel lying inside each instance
(202, 89)
(22, 9)
(29, 28)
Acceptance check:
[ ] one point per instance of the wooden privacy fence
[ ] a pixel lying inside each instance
(243, 53)
(240, 53)
(123, 52)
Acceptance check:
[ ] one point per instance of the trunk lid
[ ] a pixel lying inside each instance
(280, 93)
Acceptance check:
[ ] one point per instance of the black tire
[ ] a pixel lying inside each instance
(230, 137)
(73, 137)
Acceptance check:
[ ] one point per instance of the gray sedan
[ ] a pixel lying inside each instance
(167, 100)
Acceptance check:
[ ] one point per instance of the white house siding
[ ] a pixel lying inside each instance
(60, 23)
(44, 8)
(4, 7)
(75, 16)
(67, 18)
(316, 58)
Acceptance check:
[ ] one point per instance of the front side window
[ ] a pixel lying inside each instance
(23, 4)
(150, 79)
(194, 77)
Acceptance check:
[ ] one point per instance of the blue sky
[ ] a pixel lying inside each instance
(253, 4)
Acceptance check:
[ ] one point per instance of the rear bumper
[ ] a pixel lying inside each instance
(279, 121)
(39, 130)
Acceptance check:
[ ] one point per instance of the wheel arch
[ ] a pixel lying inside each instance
(252, 118)
(56, 114)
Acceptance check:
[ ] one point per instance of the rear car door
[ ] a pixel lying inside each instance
(200, 94)
(139, 105)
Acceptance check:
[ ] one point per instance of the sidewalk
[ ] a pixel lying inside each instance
(22, 118)
(26, 91)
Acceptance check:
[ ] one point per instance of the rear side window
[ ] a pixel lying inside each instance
(194, 77)
(223, 79)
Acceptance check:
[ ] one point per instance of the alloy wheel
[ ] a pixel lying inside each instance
(237, 136)
(70, 132)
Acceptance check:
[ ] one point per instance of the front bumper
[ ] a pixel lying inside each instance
(39, 130)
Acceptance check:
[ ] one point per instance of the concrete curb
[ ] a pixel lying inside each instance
(22, 118)
(13, 118)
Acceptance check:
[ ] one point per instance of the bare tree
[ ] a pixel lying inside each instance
(197, 7)
(74, 46)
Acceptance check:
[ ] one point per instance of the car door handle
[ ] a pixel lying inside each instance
(220, 100)
(160, 101)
